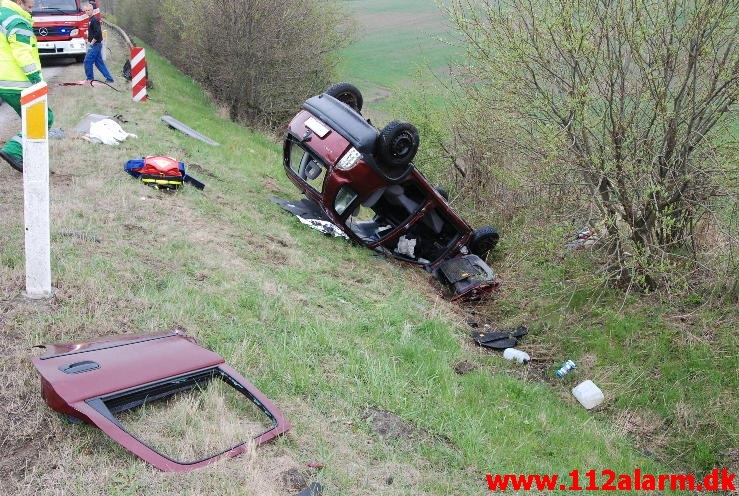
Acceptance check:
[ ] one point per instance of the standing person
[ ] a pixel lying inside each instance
(95, 51)
(20, 67)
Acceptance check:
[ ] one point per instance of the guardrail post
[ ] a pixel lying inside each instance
(35, 125)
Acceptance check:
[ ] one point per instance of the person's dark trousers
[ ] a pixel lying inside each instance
(14, 146)
(95, 57)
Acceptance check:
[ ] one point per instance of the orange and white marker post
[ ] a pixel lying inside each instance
(138, 74)
(35, 125)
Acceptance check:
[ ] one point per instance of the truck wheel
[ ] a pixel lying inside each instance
(347, 93)
(397, 144)
(79, 58)
(483, 240)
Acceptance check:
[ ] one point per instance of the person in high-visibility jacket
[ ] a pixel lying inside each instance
(20, 66)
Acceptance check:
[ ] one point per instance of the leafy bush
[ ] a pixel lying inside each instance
(627, 105)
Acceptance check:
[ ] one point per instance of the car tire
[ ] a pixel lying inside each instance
(348, 94)
(483, 240)
(397, 144)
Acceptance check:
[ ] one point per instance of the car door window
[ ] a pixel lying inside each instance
(307, 167)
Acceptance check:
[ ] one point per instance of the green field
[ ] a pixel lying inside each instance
(396, 40)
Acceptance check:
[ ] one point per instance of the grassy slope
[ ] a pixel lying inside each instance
(325, 329)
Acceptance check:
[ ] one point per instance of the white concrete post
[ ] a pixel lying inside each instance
(104, 49)
(35, 119)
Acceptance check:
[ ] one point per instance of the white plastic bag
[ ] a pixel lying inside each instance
(108, 132)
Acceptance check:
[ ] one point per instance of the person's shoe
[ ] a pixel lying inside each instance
(15, 163)
(110, 81)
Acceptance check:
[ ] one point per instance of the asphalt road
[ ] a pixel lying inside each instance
(54, 70)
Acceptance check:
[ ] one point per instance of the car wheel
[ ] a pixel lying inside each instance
(347, 93)
(483, 240)
(398, 143)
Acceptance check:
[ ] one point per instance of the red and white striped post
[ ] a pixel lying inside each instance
(138, 74)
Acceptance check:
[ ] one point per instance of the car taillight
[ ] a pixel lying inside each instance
(349, 159)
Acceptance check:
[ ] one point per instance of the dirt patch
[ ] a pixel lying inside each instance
(646, 429)
(387, 425)
(294, 480)
(270, 184)
(199, 169)
(464, 367)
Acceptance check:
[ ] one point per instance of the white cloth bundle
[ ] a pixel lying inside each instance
(108, 132)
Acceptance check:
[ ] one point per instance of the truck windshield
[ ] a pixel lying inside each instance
(52, 6)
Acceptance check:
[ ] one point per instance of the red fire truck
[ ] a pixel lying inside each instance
(61, 27)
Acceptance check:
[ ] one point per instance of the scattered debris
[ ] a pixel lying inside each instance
(175, 124)
(84, 125)
(85, 82)
(588, 394)
(565, 369)
(98, 128)
(161, 172)
(583, 239)
(94, 381)
(324, 226)
(315, 489)
(517, 355)
(108, 132)
(309, 214)
(499, 340)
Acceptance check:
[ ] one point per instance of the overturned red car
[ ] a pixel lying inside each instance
(363, 180)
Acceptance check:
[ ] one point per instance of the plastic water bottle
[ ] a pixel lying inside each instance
(514, 354)
(588, 394)
(565, 369)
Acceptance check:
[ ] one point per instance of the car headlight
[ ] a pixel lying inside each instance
(349, 160)
(74, 32)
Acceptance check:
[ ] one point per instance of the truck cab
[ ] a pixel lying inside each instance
(60, 27)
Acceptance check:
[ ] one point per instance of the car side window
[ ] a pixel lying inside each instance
(307, 167)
